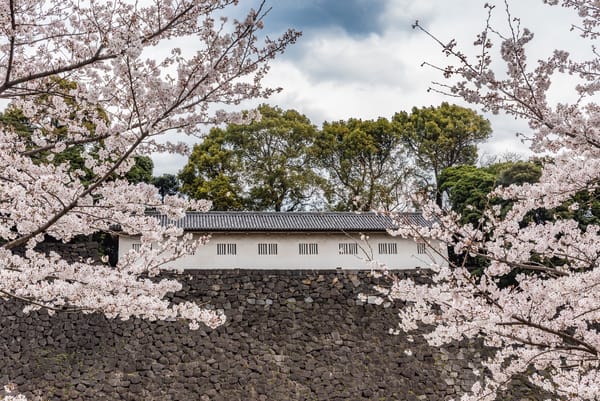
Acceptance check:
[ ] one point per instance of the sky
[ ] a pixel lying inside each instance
(362, 59)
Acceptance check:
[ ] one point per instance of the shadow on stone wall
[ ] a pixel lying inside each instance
(290, 335)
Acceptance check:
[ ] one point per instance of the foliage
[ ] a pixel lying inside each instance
(74, 156)
(545, 324)
(90, 74)
(263, 165)
(141, 171)
(211, 173)
(518, 173)
(468, 191)
(281, 162)
(364, 162)
(167, 184)
(442, 137)
(468, 187)
(274, 159)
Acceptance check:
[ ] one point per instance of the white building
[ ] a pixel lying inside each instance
(300, 240)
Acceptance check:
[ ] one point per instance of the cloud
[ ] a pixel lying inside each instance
(168, 163)
(361, 59)
(367, 95)
(399, 15)
(504, 137)
(335, 57)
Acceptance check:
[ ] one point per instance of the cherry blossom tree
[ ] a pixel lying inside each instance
(134, 82)
(545, 325)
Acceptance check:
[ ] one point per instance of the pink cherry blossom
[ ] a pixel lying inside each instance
(132, 85)
(548, 320)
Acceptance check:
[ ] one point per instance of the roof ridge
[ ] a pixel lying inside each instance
(290, 221)
(266, 212)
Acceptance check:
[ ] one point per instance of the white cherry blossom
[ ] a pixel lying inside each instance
(548, 319)
(125, 95)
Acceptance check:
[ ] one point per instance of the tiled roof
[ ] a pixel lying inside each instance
(290, 221)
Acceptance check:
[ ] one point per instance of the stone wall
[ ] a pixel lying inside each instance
(84, 250)
(290, 335)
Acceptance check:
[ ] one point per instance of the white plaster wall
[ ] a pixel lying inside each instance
(288, 256)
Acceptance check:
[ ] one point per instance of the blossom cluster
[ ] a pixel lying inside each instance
(106, 80)
(546, 319)
(9, 394)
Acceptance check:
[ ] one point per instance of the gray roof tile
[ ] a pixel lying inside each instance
(290, 221)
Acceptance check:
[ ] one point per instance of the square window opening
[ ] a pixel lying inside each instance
(348, 248)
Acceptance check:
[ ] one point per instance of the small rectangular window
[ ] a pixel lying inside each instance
(308, 249)
(348, 248)
(388, 248)
(136, 246)
(226, 249)
(267, 249)
(421, 247)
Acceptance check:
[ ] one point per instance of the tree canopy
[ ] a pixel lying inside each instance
(283, 162)
(167, 184)
(442, 137)
(468, 187)
(364, 163)
(262, 165)
(212, 173)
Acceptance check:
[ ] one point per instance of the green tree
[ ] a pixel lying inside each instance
(442, 137)
(212, 172)
(167, 184)
(264, 165)
(275, 161)
(467, 190)
(467, 187)
(364, 162)
(518, 173)
(141, 171)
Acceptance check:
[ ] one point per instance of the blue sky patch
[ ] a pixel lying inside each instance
(356, 17)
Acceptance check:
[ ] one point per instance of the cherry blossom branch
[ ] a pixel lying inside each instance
(32, 301)
(53, 219)
(564, 336)
(56, 71)
(544, 346)
(120, 101)
(12, 41)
